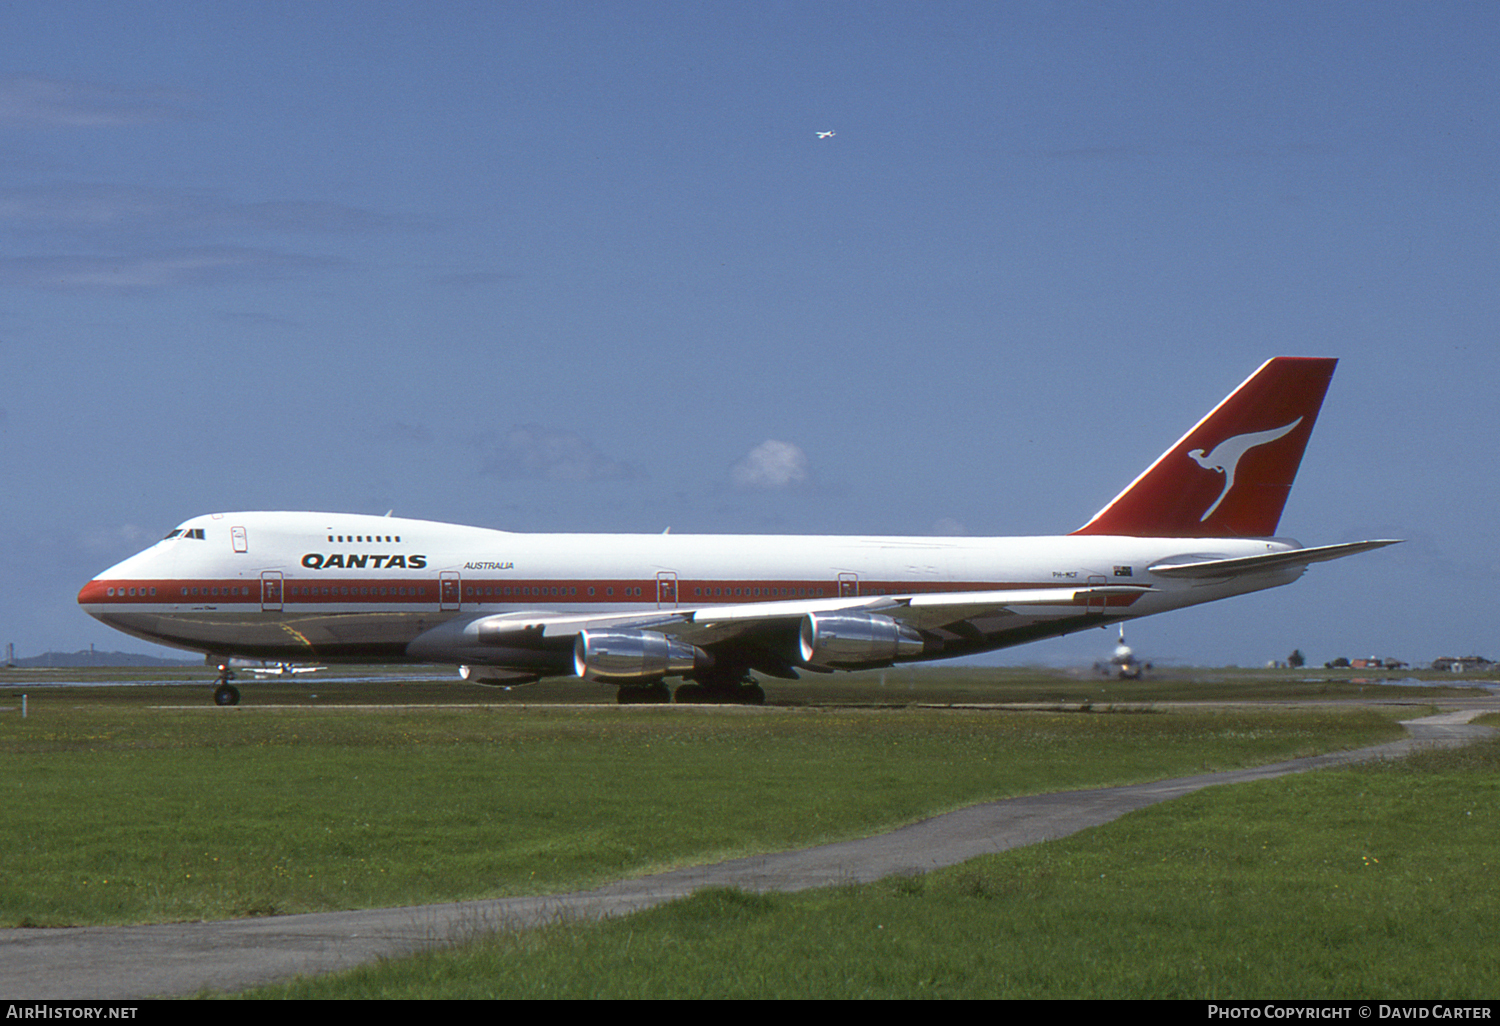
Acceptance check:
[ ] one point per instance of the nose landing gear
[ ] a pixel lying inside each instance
(226, 693)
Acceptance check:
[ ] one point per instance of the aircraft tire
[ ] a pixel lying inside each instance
(733, 694)
(226, 694)
(650, 694)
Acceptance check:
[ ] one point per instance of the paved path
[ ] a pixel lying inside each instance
(123, 962)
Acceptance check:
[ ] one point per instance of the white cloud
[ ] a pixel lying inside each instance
(103, 211)
(400, 432)
(107, 237)
(772, 466)
(201, 265)
(530, 451)
(476, 279)
(45, 102)
(124, 538)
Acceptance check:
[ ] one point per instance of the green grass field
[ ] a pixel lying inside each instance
(146, 804)
(129, 805)
(1371, 882)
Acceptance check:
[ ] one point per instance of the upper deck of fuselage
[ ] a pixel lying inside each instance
(207, 543)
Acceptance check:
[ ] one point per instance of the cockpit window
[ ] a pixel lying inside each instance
(183, 532)
(172, 535)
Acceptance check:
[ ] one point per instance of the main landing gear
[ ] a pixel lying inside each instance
(226, 693)
(648, 694)
(732, 688)
(736, 693)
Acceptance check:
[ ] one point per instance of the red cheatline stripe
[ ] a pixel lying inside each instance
(479, 592)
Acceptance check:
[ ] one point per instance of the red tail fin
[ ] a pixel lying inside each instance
(1230, 475)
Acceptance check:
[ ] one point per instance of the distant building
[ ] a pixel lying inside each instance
(1367, 663)
(1461, 664)
(1375, 663)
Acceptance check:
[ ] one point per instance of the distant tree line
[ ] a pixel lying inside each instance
(89, 657)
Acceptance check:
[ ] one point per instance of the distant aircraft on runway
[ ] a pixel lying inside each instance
(635, 610)
(1123, 664)
(282, 668)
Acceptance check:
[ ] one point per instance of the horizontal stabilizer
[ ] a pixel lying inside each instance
(1266, 562)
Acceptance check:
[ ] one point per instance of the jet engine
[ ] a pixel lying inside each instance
(857, 639)
(634, 657)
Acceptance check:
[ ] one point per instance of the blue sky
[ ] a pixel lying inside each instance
(588, 267)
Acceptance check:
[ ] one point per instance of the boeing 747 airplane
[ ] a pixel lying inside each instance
(634, 611)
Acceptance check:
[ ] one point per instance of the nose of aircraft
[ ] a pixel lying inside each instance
(93, 593)
(96, 598)
(132, 580)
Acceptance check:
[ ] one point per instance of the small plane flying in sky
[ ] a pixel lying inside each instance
(826, 135)
(634, 611)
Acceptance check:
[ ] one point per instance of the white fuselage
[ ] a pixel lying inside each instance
(297, 586)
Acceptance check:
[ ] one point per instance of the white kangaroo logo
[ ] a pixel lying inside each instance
(1227, 454)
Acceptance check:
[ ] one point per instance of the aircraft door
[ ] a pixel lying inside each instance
(237, 536)
(270, 591)
(1096, 603)
(848, 585)
(449, 590)
(666, 590)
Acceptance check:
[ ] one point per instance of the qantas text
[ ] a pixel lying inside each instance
(349, 561)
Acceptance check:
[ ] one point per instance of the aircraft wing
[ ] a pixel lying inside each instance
(714, 624)
(764, 627)
(697, 625)
(1209, 568)
(763, 634)
(923, 611)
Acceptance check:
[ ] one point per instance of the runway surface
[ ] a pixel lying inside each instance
(123, 962)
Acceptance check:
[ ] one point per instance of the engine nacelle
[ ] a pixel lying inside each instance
(634, 657)
(856, 639)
